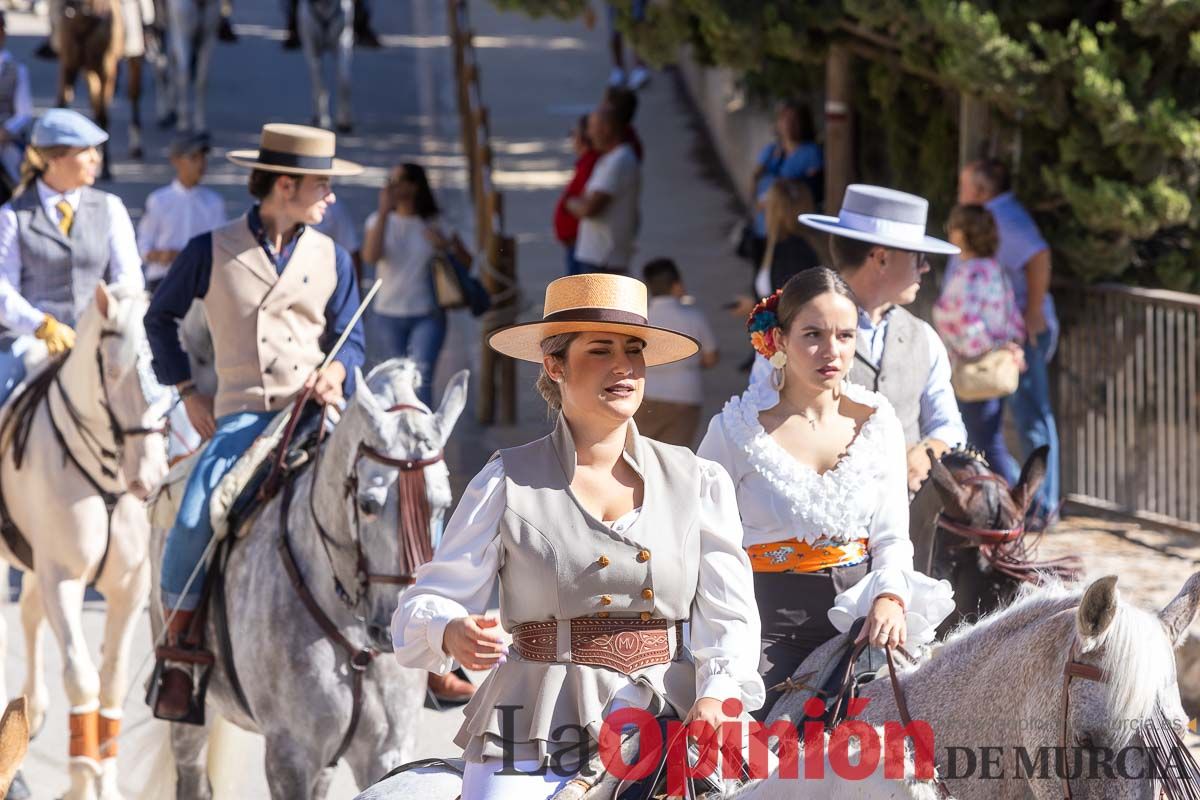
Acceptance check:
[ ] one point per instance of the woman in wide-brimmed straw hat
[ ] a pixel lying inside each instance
(278, 293)
(604, 543)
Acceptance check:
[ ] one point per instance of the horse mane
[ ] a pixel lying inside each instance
(1134, 652)
(394, 381)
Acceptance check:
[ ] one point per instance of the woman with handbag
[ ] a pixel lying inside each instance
(978, 319)
(403, 240)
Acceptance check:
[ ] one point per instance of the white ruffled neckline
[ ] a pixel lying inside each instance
(829, 502)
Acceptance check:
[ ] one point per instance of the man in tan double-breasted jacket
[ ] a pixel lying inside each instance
(277, 294)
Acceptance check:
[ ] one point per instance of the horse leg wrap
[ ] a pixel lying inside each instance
(110, 731)
(85, 733)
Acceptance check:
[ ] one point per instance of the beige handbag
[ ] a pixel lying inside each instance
(992, 375)
(447, 287)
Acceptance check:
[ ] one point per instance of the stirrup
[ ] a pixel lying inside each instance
(189, 659)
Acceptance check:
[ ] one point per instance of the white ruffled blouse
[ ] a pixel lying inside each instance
(865, 496)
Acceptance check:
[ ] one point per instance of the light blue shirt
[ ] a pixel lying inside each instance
(805, 161)
(940, 418)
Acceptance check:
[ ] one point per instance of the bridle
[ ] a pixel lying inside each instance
(1074, 668)
(413, 512)
(982, 535)
(108, 458)
(1005, 549)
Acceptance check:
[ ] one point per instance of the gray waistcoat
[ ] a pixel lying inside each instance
(902, 374)
(8, 90)
(59, 274)
(550, 569)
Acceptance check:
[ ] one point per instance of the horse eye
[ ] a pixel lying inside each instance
(1085, 741)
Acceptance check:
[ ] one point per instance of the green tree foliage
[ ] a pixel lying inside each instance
(1096, 104)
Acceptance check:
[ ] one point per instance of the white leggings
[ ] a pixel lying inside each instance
(480, 782)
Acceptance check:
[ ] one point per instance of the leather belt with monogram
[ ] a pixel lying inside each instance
(625, 645)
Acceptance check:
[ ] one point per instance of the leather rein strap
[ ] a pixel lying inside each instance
(359, 658)
(982, 535)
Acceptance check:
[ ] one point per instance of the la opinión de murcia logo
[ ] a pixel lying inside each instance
(854, 750)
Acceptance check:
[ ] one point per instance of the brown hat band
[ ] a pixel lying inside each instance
(278, 158)
(596, 315)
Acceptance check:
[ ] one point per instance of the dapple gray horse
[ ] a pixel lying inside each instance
(106, 410)
(995, 684)
(297, 682)
(327, 26)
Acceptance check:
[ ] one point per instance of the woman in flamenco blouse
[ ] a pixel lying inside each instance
(819, 467)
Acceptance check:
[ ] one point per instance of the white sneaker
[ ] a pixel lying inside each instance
(617, 77)
(639, 78)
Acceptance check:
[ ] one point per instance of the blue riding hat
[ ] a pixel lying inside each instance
(62, 127)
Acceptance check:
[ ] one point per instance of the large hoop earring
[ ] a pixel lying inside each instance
(778, 379)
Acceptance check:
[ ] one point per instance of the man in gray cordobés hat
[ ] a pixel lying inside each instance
(878, 244)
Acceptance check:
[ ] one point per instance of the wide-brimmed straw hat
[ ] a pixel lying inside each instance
(296, 150)
(592, 303)
(882, 216)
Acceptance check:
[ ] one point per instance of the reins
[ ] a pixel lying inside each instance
(1005, 549)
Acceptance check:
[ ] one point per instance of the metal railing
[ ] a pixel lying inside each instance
(1128, 396)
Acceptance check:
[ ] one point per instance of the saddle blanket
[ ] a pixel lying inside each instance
(164, 504)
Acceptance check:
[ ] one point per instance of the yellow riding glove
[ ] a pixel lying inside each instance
(58, 337)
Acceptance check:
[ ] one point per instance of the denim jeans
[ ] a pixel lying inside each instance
(419, 338)
(193, 526)
(12, 364)
(574, 266)
(1034, 416)
(985, 429)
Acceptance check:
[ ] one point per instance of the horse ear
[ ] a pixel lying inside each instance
(14, 741)
(454, 400)
(366, 398)
(1180, 612)
(1097, 610)
(1032, 475)
(105, 301)
(952, 492)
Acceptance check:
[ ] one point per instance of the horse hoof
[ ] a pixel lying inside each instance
(168, 121)
(345, 127)
(135, 153)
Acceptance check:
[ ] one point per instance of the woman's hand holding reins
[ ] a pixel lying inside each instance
(885, 625)
(475, 641)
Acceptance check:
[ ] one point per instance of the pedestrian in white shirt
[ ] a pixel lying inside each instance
(59, 238)
(16, 108)
(608, 208)
(670, 410)
(179, 211)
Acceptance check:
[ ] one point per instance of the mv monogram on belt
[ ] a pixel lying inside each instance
(625, 645)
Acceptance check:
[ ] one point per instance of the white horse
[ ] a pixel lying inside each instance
(997, 684)
(95, 432)
(192, 31)
(341, 525)
(327, 26)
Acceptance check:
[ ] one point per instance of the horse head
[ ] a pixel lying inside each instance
(391, 484)
(975, 497)
(124, 400)
(1125, 699)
